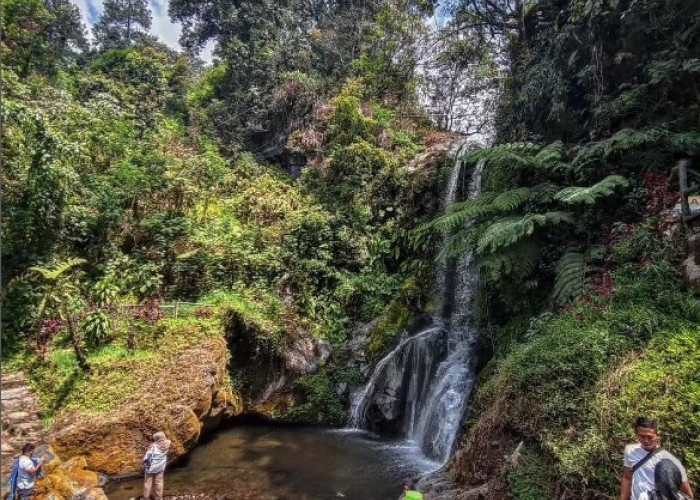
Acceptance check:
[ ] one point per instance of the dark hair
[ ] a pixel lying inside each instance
(668, 479)
(647, 423)
(27, 448)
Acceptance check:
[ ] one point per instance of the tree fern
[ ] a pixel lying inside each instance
(456, 245)
(511, 200)
(622, 142)
(461, 212)
(589, 195)
(505, 156)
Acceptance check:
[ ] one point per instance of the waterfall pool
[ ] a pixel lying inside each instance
(294, 463)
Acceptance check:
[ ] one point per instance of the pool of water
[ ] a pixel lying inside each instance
(272, 463)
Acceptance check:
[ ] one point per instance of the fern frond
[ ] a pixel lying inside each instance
(571, 277)
(463, 241)
(509, 230)
(544, 193)
(551, 158)
(623, 141)
(589, 195)
(461, 212)
(518, 261)
(687, 141)
(506, 156)
(53, 273)
(511, 200)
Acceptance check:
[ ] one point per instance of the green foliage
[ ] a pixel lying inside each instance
(40, 36)
(322, 403)
(578, 370)
(532, 478)
(589, 195)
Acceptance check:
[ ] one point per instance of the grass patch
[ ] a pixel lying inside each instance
(116, 373)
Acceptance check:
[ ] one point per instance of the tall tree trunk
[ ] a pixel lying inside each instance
(75, 342)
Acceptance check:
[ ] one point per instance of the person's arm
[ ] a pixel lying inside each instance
(34, 470)
(626, 484)
(686, 489)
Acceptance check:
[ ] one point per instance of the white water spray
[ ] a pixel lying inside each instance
(423, 385)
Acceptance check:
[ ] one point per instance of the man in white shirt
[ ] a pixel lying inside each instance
(27, 471)
(641, 460)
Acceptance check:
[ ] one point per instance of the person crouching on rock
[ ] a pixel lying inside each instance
(25, 471)
(154, 462)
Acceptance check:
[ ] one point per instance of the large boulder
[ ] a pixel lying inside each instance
(184, 397)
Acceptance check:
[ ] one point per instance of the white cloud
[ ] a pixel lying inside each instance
(162, 27)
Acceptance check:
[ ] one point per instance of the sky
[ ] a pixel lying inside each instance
(165, 30)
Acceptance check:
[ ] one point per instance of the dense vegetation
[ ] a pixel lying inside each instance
(598, 107)
(291, 184)
(133, 181)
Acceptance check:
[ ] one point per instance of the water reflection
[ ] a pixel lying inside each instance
(268, 463)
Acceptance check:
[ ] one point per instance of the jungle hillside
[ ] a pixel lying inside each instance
(264, 216)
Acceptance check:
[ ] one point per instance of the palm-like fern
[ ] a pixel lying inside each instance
(59, 293)
(52, 274)
(517, 261)
(508, 229)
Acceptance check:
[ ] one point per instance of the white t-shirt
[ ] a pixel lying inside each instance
(643, 478)
(25, 480)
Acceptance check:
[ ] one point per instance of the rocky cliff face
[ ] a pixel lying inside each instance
(184, 398)
(267, 372)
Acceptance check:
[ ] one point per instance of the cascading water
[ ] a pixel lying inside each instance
(420, 389)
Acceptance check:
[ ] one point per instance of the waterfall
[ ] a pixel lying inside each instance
(421, 388)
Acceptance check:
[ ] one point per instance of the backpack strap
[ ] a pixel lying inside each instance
(646, 458)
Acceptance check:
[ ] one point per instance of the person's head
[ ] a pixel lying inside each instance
(28, 449)
(667, 479)
(647, 431)
(161, 441)
(407, 485)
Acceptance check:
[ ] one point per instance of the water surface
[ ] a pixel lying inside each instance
(270, 463)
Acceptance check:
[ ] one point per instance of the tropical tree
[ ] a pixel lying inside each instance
(122, 22)
(61, 296)
(40, 36)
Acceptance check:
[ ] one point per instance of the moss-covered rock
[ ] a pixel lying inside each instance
(180, 398)
(66, 480)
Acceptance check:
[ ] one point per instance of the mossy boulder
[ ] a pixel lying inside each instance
(64, 480)
(184, 396)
